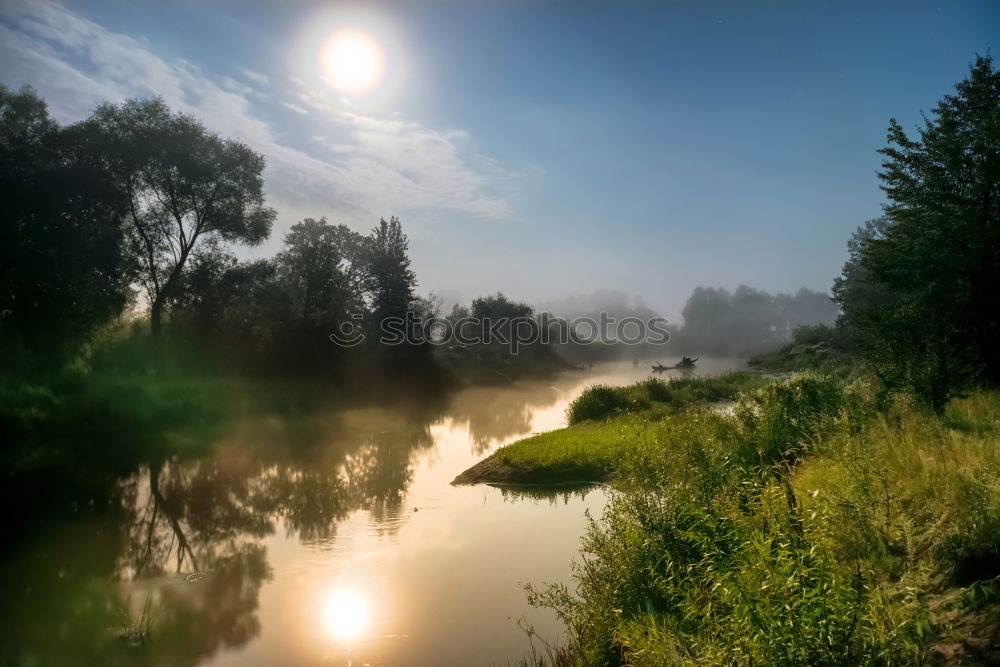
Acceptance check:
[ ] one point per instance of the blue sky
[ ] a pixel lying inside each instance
(542, 148)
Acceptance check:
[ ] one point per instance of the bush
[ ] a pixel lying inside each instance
(601, 402)
(779, 422)
(812, 348)
(705, 562)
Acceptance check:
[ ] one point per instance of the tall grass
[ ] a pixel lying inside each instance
(601, 402)
(807, 528)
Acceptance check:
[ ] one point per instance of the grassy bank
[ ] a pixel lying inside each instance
(806, 527)
(605, 423)
(820, 349)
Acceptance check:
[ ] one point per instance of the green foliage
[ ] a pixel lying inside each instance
(391, 280)
(813, 348)
(805, 528)
(497, 307)
(323, 268)
(603, 402)
(704, 557)
(701, 559)
(778, 423)
(919, 292)
(594, 449)
(62, 269)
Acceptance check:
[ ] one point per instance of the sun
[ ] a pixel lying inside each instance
(351, 61)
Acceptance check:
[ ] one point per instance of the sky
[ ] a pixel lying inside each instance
(540, 148)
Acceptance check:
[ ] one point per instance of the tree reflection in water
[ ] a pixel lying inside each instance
(497, 414)
(187, 534)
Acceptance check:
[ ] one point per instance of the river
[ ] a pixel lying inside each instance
(328, 539)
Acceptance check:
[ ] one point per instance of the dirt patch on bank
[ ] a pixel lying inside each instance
(492, 470)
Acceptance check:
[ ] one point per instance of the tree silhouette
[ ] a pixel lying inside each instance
(183, 185)
(391, 281)
(62, 272)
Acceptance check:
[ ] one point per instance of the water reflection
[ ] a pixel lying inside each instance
(553, 495)
(289, 536)
(494, 415)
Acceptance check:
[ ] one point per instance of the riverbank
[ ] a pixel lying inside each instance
(819, 521)
(605, 423)
(129, 382)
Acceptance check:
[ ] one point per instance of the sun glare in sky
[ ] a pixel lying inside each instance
(352, 62)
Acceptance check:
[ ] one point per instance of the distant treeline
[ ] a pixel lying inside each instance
(716, 322)
(748, 321)
(125, 224)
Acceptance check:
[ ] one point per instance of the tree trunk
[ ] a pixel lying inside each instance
(156, 318)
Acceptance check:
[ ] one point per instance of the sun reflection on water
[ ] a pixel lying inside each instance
(345, 614)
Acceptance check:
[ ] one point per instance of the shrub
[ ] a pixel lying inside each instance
(601, 402)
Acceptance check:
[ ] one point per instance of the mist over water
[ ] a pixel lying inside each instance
(330, 535)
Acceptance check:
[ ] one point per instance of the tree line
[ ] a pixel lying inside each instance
(748, 321)
(139, 207)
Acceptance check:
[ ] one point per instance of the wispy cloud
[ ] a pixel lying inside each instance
(378, 167)
(256, 77)
(295, 107)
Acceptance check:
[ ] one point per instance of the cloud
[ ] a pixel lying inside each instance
(295, 107)
(398, 153)
(360, 168)
(256, 77)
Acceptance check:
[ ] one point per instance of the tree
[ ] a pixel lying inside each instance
(935, 267)
(497, 307)
(390, 279)
(183, 185)
(62, 270)
(235, 305)
(854, 290)
(324, 268)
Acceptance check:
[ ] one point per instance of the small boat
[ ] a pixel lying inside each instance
(685, 362)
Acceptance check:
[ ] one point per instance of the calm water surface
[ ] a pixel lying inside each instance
(332, 539)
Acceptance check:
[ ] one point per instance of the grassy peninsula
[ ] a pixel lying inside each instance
(604, 425)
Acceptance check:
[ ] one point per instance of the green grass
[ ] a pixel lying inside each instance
(601, 402)
(607, 426)
(135, 632)
(812, 348)
(596, 444)
(806, 527)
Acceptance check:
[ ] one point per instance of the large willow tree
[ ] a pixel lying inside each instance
(187, 190)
